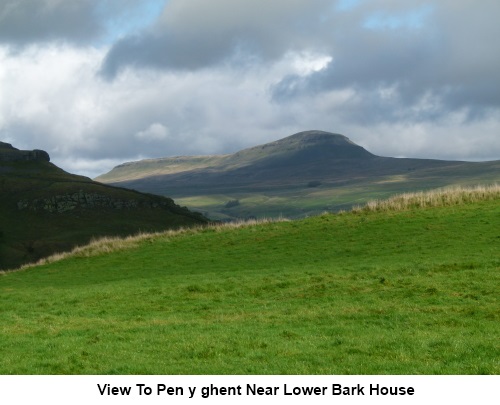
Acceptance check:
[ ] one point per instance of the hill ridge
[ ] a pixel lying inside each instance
(297, 142)
(44, 209)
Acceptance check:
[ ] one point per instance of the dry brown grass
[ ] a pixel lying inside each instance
(246, 223)
(435, 198)
(113, 244)
(95, 247)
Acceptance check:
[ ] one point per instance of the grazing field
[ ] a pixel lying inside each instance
(407, 288)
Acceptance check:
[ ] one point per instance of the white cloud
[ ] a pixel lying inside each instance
(155, 132)
(50, 91)
(305, 63)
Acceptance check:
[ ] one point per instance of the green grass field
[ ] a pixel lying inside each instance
(374, 291)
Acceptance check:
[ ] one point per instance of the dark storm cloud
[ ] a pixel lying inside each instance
(199, 33)
(24, 22)
(434, 59)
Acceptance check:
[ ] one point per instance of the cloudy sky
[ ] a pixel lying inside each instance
(99, 82)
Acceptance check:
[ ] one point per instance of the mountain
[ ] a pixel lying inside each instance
(44, 209)
(302, 174)
(303, 149)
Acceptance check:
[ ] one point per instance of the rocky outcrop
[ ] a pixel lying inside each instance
(85, 200)
(4, 145)
(10, 154)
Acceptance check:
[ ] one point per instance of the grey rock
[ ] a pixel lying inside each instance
(84, 200)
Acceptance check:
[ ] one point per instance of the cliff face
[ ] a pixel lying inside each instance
(90, 201)
(10, 154)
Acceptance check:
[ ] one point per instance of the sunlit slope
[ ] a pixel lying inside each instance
(303, 174)
(373, 291)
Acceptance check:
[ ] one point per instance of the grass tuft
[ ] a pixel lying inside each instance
(436, 198)
(108, 244)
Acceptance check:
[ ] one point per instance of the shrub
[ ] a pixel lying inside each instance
(232, 203)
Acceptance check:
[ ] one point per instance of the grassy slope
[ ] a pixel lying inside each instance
(154, 167)
(28, 235)
(405, 292)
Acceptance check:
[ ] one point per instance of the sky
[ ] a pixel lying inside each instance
(97, 83)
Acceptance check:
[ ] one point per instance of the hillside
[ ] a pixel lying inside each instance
(44, 210)
(408, 286)
(303, 174)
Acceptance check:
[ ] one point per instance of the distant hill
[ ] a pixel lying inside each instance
(306, 173)
(44, 210)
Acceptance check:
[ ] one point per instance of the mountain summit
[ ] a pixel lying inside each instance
(303, 147)
(336, 144)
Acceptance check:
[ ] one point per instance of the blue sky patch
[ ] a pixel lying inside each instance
(412, 19)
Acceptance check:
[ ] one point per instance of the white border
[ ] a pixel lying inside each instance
(55, 390)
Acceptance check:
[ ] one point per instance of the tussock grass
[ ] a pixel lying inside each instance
(96, 247)
(108, 244)
(435, 198)
(245, 223)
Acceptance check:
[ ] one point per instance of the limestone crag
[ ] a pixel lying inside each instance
(10, 154)
(84, 200)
